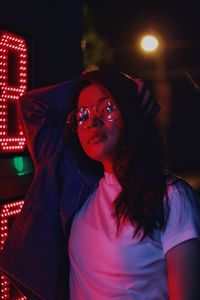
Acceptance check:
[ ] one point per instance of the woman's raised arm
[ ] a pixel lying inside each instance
(42, 113)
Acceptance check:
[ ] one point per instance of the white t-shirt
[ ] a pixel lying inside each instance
(104, 266)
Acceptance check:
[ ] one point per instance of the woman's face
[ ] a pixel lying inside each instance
(99, 137)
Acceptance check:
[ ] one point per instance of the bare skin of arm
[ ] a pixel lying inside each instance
(183, 269)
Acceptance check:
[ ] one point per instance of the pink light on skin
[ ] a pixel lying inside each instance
(101, 138)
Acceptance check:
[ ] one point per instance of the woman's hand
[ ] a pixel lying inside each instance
(148, 104)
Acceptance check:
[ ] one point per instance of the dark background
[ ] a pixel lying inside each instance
(122, 22)
(54, 30)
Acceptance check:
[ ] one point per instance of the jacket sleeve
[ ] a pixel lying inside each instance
(42, 113)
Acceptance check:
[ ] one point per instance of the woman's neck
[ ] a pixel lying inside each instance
(108, 167)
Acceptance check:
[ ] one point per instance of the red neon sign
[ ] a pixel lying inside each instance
(13, 84)
(8, 212)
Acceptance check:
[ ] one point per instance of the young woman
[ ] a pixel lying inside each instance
(101, 198)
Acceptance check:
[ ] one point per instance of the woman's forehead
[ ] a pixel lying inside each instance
(90, 95)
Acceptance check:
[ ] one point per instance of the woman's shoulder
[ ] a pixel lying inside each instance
(174, 182)
(180, 191)
(182, 213)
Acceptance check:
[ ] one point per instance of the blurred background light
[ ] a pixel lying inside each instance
(149, 43)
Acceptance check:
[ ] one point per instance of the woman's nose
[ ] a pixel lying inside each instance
(95, 121)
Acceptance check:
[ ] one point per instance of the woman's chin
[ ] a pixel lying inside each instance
(96, 156)
(99, 155)
(100, 151)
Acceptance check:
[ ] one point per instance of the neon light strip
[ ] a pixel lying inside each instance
(11, 43)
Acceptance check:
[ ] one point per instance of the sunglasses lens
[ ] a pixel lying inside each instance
(104, 109)
(82, 116)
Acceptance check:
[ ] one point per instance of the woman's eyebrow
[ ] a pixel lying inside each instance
(87, 106)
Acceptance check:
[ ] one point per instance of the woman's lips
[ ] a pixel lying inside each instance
(97, 139)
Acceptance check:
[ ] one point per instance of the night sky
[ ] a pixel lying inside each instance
(174, 19)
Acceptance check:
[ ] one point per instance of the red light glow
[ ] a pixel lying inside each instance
(7, 213)
(13, 84)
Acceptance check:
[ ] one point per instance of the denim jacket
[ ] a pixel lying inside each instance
(35, 255)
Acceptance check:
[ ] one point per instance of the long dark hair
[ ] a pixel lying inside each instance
(140, 162)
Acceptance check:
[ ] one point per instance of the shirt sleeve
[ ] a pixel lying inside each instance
(182, 215)
(42, 113)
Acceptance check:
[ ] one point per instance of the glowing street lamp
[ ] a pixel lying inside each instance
(149, 43)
